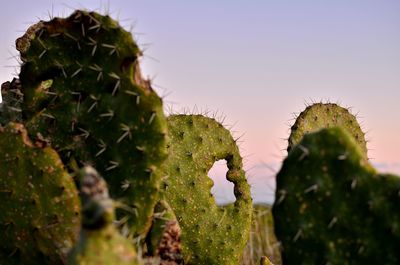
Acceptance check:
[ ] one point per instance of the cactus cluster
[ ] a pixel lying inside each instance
(80, 106)
(210, 234)
(332, 207)
(82, 100)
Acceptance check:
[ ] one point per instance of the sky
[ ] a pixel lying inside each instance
(255, 64)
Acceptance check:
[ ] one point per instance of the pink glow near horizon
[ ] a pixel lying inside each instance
(258, 63)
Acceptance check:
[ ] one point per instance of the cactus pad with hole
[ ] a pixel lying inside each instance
(210, 234)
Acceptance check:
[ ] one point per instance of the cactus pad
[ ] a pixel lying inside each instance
(85, 95)
(39, 213)
(210, 234)
(319, 116)
(331, 207)
(99, 242)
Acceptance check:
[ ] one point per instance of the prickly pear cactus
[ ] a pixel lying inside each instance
(99, 242)
(331, 207)
(210, 234)
(85, 95)
(318, 116)
(10, 108)
(40, 209)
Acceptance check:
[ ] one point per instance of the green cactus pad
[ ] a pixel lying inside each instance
(318, 116)
(331, 207)
(99, 242)
(85, 95)
(40, 209)
(10, 108)
(210, 234)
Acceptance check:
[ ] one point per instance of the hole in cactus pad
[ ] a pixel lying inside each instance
(222, 189)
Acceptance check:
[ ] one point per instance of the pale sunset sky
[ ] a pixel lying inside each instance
(256, 63)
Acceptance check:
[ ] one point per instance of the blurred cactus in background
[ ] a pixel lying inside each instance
(331, 206)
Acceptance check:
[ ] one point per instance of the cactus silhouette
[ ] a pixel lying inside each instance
(40, 209)
(84, 94)
(332, 207)
(210, 234)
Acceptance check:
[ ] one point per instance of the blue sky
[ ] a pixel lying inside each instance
(257, 63)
